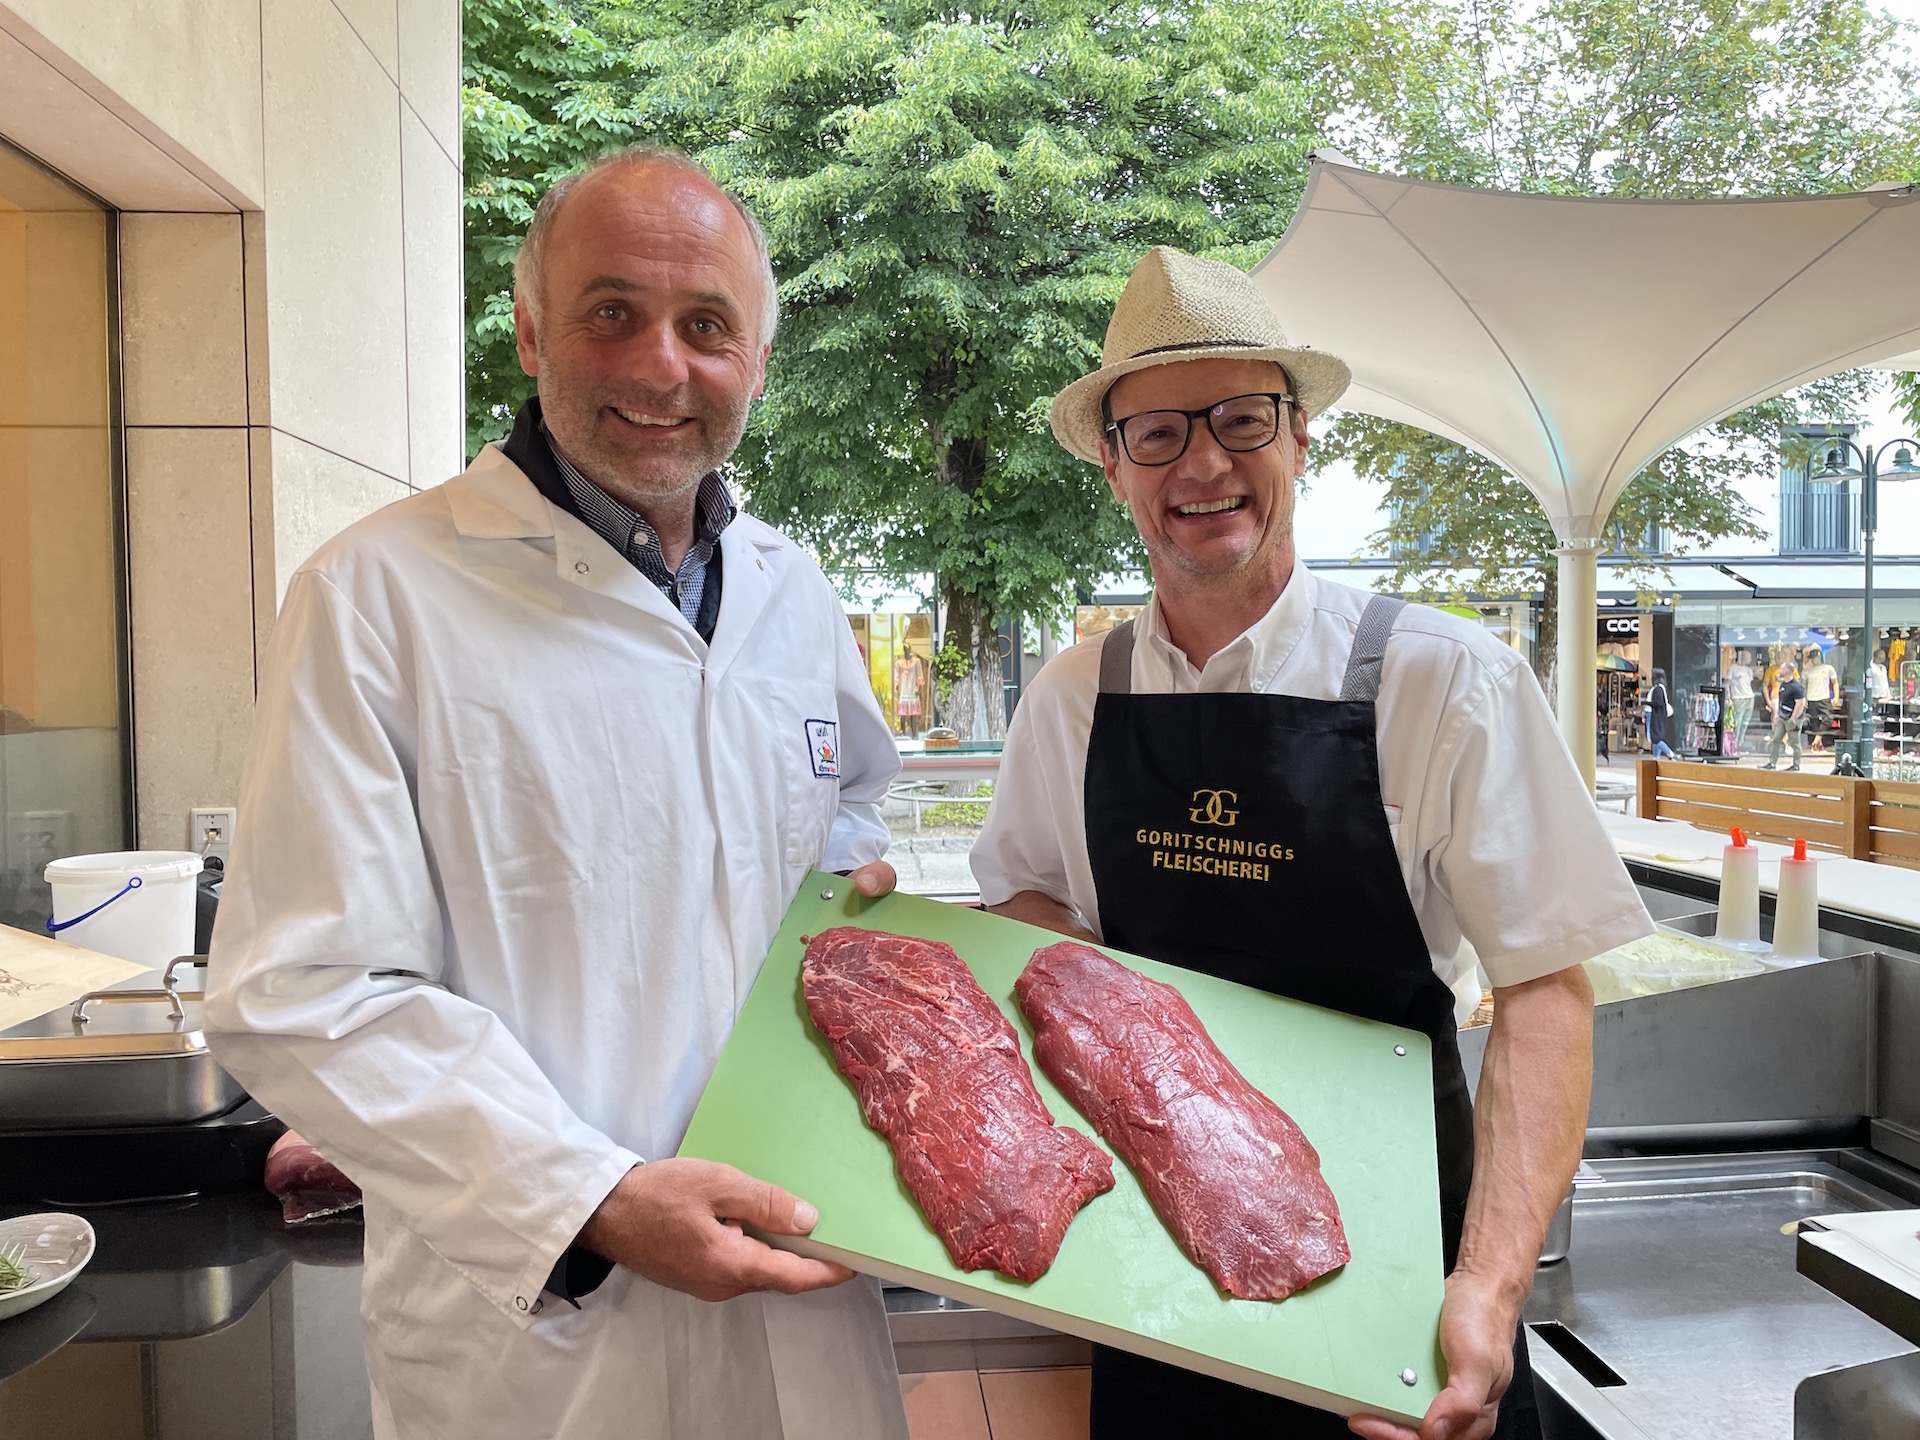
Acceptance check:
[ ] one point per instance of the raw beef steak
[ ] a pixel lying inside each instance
(1229, 1172)
(940, 1075)
(308, 1185)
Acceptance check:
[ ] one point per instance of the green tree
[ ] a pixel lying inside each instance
(953, 200)
(1669, 98)
(535, 105)
(1906, 396)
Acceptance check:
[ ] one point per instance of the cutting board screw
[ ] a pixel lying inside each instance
(1401, 1050)
(1407, 1377)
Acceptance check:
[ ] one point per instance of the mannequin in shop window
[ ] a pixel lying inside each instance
(910, 691)
(1879, 689)
(1823, 688)
(1739, 701)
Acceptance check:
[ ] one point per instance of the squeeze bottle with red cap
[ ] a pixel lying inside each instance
(1796, 912)
(1738, 923)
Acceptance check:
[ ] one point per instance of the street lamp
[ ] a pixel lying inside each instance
(1835, 470)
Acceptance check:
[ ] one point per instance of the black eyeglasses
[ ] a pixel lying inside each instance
(1241, 423)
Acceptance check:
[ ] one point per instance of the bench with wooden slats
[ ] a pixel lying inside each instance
(1893, 820)
(1846, 815)
(1827, 811)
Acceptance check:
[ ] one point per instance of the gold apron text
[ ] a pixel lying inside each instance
(1222, 855)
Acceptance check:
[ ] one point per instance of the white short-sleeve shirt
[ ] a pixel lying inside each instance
(1498, 839)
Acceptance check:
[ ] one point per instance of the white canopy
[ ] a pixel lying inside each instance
(1572, 339)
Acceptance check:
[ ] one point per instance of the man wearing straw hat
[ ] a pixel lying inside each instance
(1411, 762)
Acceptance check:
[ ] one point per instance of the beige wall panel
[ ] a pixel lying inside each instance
(50, 114)
(336, 302)
(430, 67)
(266, 592)
(377, 25)
(183, 320)
(434, 306)
(315, 496)
(253, 260)
(191, 67)
(192, 622)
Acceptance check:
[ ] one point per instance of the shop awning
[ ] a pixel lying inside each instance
(1572, 339)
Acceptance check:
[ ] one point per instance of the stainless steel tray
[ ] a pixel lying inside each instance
(133, 1054)
(1678, 1314)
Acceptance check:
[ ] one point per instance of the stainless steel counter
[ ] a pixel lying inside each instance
(1680, 1313)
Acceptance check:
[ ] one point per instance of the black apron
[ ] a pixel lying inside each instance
(1244, 836)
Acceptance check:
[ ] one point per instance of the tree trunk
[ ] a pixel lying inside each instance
(977, 708)
(1546, 649)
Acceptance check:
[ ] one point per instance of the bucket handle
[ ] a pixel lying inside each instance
(54, 927)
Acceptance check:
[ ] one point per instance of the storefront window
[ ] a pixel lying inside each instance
(1092, 620)
(62, 743)
(899, 655)
(1743, 645)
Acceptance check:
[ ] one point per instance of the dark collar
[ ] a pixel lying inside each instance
(527, 447)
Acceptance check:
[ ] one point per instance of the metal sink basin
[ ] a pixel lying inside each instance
(1679, 1315)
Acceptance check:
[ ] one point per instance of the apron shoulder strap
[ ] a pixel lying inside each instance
(1362, 681)
(1116, 660)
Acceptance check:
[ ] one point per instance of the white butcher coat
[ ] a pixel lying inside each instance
(513, 843)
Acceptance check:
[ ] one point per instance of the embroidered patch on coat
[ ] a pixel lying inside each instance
(823, 748)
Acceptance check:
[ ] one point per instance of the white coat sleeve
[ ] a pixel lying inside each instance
(327, 991)
(868, 762)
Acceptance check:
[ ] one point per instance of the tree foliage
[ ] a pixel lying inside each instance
(1906, 396)
(535, 82)
(953, 198)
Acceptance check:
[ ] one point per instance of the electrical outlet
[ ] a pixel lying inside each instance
(210, 830)
(36, 836)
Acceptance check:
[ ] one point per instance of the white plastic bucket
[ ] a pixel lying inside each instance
(136, 904)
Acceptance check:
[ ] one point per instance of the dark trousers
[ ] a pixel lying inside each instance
(1139, 1399)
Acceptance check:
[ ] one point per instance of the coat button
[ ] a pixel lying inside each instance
(580, 567)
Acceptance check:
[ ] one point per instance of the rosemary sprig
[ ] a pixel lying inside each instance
(14, 1274)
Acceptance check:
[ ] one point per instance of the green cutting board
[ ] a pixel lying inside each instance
(1362, 1340)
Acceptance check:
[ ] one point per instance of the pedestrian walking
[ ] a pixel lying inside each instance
(1789, 717)
(1659, 712)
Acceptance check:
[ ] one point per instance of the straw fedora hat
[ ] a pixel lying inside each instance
(1178, 307)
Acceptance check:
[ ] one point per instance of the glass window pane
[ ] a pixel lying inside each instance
(62, 755)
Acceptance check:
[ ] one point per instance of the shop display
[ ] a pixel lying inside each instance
(941, 1078)
(897, 651)
(1233, 1178)
(1706, 729)
(910, 691)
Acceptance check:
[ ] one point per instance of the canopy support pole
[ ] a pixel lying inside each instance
(1579, 648)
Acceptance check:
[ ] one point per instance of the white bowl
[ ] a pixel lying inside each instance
(58, 1248)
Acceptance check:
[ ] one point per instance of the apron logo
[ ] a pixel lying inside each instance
(823, 748)
(1214, 811)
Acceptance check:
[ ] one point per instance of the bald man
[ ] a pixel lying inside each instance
(540, 760)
